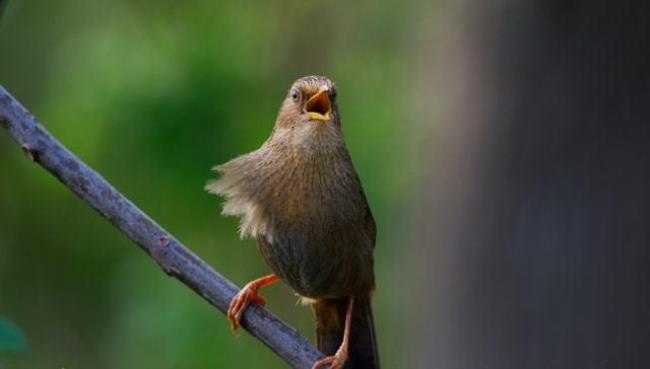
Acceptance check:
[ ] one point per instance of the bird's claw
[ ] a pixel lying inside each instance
(335, 361)
(240, 302)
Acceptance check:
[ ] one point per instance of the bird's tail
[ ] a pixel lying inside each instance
(330, 324)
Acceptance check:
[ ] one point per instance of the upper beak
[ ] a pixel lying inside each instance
(319, 106)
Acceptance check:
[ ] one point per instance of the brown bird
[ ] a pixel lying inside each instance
(301, 199)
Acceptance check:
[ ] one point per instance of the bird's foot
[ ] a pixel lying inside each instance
(335, 361)
(244, 297)
(240, 302)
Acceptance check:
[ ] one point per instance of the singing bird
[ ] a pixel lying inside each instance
(301, 199)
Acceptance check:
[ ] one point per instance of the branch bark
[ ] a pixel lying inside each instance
(174, 258)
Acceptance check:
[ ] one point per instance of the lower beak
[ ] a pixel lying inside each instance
(319, 107)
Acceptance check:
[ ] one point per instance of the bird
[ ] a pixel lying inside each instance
(300, 197)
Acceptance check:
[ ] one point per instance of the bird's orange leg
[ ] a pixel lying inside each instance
(337, 360)
(245, 296)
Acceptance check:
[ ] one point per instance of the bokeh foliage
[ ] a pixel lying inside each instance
(152, 94)
(11, 338)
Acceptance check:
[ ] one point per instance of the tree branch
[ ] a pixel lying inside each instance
(174, 258)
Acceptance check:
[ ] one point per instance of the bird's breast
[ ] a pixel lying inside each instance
(306, 209)
(321, 263)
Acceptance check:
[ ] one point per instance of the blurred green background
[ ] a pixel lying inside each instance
(152, 94)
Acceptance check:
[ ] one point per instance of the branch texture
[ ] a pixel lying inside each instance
(174, 258)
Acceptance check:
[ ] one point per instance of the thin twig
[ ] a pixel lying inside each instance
(174, 258)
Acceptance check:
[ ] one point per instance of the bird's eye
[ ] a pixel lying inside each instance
(295, 95)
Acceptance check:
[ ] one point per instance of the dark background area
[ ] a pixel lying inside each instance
(542, 214)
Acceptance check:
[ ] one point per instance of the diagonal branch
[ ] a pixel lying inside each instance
(174, 258)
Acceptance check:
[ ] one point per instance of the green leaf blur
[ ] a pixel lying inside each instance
(152, 94)
(11, 339)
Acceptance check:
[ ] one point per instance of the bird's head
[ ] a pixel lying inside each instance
(311, 101)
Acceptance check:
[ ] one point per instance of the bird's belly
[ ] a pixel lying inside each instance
(321, 266)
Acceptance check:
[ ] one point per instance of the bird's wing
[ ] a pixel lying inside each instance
(371, 227)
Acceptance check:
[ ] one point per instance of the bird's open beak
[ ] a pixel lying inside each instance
(319, 107)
